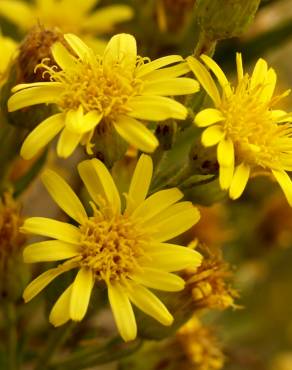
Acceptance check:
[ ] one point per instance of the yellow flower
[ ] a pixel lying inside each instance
(118, 88)
(253, 138)
(124, 249)
(7, 51)
(68, 15)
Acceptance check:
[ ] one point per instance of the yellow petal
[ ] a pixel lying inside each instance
(225, 176)
(239, 66)
(156, 108)
(171, 86)
(159, 279)
(225, 153)
(80, 48)
(239, 180)
(269, 86)
(178, 220)
(79, 123)
(140, 183)
(136, 133)
(210, 63)
(122, 311)
(67, 143)
(42, 135)
(99, 183)
(156, 203)
(286, 184)
(121, 49)
(64, 196)
(205, 79)
(208, 116)
(103, 20)
(80, 295)
(259, 73)
(171, 257)
(168, 72)
(30, 85)
(60, 312)
(158, 63)
(44, 279)
(51, 250)
(62, 56)
(35, 95)
(147, 302)
(51, 228)
(212, 135)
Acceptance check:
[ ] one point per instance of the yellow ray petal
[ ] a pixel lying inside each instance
(208, 116)
(168, 72)
(103, 20)
(42, 135)
(239, 180)
(225, 177)
(60, 312)
(34, 84)
(35, 95)
(259, 73)
(178, 220)
(286, 184)
(51, 228)
(212, 135)
(225, 153)
(62, 56)
(239, 66)
(150, 304)
(171, 257)
(51, 250)
(156, 203)
(123, 312)
(64, 196)
(136, 133)
(80, 48)
(269, 85)
(67, 143)
(121, 49)
(158, 279)
(210, 63)
(171, 86)
(44, 279)
(140, 183)
(158, 63)
(80, 295)
(99, 183)
(205, 79)
(156, 108)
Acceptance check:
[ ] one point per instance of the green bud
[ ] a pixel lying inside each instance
(223, 19)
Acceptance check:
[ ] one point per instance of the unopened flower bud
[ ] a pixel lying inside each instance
(223, 19)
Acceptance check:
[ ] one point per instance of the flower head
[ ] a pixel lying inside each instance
(69, 16)
(126, 250)
(253, 138)
(117, 89)
(200, 346)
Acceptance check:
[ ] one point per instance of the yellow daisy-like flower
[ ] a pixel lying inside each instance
(118, 88)
(7, 51)
(124, 249)
(74, 16)
(253, 138)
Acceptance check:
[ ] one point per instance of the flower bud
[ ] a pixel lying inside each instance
(223, 19)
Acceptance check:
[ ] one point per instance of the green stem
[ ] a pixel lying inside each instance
(114, 350)
(204, 46)
(55, 341)
(11, 336)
